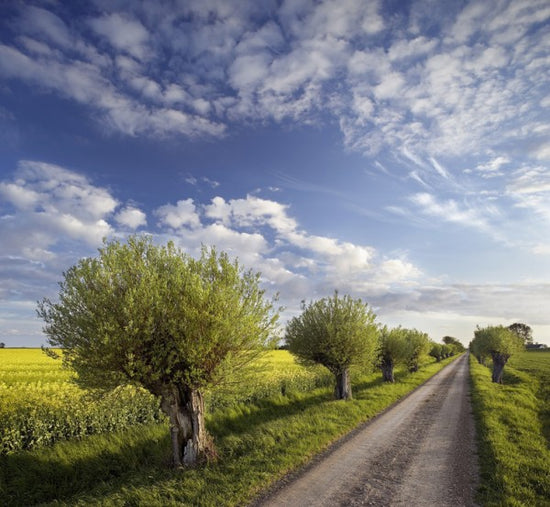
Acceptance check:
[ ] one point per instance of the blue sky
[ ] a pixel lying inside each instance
(395, 151)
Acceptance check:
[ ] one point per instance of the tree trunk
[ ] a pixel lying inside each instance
(191, 443)
(499, 361)
(342, 390)
(387, 370)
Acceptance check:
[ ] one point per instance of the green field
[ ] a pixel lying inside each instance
(273, 423)
(513, 429)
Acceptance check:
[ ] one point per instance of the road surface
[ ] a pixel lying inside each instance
(421, 452)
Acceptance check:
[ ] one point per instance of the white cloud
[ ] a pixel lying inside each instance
(18, 195)
(123, 33)
(131, 217)
(449, 211)
(492, 168)
(44, 24)
(455, 95)
(182, 214)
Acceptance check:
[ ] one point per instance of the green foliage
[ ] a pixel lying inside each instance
(514, 455)
(523, 331)
(499, 343)
(493, 340)
(393, 345)
(155, 316)
(456, 345)
(258, 443)
(436, 351)
(336, 332)
(417, 346)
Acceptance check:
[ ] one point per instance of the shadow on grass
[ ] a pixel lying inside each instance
(58, 473)
(130, 459)
(241, 418)
(509, 378)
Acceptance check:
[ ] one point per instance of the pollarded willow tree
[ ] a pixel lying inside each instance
(418, 346)
(393, 350)
(337, 332)
(154, 316)
(500, 343)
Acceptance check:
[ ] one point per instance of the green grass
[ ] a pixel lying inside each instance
(258, 442)
(514, 454)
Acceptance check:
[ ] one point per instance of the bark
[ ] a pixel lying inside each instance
(342, 390)
(499, 361)
(191, 443)
(387, 370)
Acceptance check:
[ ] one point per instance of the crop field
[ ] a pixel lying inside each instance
(270, 424)
(39, 405)
(513, 429)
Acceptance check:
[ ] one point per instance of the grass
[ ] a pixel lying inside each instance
(511, 422)
(258, 443)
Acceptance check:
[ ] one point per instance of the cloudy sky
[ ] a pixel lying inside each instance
(397, 151)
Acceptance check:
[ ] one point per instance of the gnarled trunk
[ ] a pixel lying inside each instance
(191, 443)
(387, 370)
(499, 361)
(342, 390)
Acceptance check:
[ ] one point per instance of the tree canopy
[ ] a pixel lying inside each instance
(155, 316)
(417, 346)
(337, 332)
(523, 331)
(500, 343)
(393, 349)
(454, 343)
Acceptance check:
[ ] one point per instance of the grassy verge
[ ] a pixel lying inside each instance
(258, 443)
(513, 452)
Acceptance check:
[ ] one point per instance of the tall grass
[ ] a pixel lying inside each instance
(513, 452)
(258, 442)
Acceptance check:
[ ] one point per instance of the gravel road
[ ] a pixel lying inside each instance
(421, 452)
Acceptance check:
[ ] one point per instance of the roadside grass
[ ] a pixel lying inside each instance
(258, 443)
(514, 457)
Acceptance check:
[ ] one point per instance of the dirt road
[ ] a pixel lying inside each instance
(419, 453)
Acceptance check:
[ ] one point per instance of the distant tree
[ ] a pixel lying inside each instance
(392, 351)
(337, 332)
(498, 342)
(2, 345)
(454, 343)
(436, 351)
(418, 345)
(446, 350)
(156, 317)
(523, 331)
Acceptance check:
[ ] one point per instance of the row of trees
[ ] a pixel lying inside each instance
(154, 316)
(341, 332)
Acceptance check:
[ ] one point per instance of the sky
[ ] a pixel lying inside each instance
(397, 151)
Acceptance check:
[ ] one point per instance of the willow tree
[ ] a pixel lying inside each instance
(337, 332)
(417, 346)
(393, 350)
(500, 343)
(154, 316)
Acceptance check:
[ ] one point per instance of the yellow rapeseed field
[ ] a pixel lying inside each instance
(39, 404)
